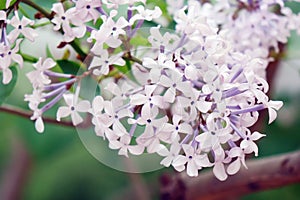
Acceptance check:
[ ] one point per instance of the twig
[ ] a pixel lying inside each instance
(128, 56)
(263, 174)
(38, 8)
(15, 174)
(137, 181)
(27, 114)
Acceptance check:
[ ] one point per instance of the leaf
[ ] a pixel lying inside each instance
(68, 67)
(5, 90)
(89, 88)
(48, 52)
(3, 3)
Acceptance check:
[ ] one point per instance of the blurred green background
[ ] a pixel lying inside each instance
(62, 168)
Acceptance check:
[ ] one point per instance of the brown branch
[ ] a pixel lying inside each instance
(138, 184)
(16, 172)
(263, 174)
(38, 8)
(27, 114)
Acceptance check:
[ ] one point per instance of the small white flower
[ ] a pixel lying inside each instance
(20, 27)
(72, 108)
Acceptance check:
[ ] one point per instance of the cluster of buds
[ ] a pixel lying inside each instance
(190, 95)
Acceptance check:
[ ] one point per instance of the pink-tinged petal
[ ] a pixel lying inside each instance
(169, 96)
(63, 112)
(249, 147)
(179, 161)
(272, 115)
(184, 102)
(165, 81)
(188, 150)
(13, 35)
(185, 88)
(158, 101)
(190, 72)
(2, 15)
(79, 32)
(114, 89)
(39, 125)
(125, 113)
(235, 152)
(149, 89)
(136, 149)
(153, 147)
(203, 106)
(176, 119)
(219, 171)
(112, 42)
(115, 144)
(175, 148)
(244, 144)
(58, 8)
(149, 63)
(167, 161)
(69, 99)
(123, 151)
(76, 118)
(83, 106)
(7, 76)
(98, 104)
(185, 128)
(25, 21)
(118, 61)
(18, 59)
(160, 123)
(48, 63)
(138, 99)
(202, 161)
(29, 33)
(275, 104)
(163, 151)
(146, 112)
(126, 138)
(192, 169)
(256, 136)
(234, 167)
(119, 129)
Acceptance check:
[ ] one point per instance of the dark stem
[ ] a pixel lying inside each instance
(38, 8)
(27, 114)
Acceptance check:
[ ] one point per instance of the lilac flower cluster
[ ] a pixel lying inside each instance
(191, 96)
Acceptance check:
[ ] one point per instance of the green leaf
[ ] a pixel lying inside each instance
(89, 88)
(3, 3)
(5, 90)
(68, 67)
(48, 52)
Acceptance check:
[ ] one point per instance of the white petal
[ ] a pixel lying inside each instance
(83, 106)
(219, 171)
(234, 167)
(39, 125)
(76, 118)
(185, 128)
(63, 112)
(192, 168)
(256, 136)
(179, 162)
(136, 150)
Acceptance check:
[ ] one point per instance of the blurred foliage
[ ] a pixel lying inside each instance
(63, 169)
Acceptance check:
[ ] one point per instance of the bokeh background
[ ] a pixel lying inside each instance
(56, 165)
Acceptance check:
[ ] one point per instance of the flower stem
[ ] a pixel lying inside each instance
(38, 8)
